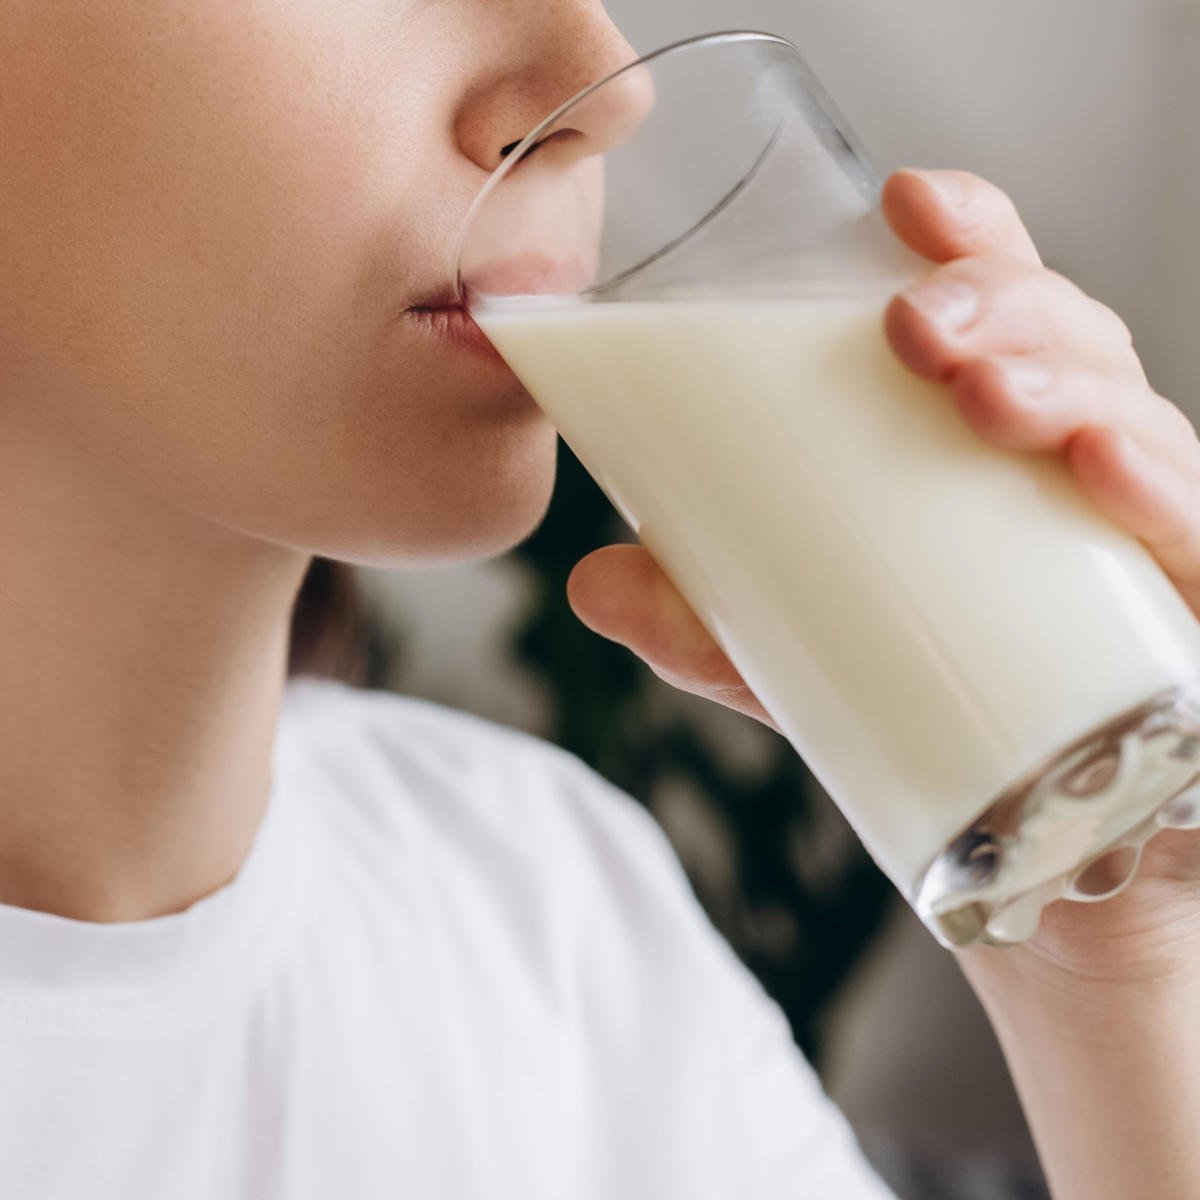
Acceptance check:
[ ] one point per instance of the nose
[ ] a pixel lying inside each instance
(557, 49)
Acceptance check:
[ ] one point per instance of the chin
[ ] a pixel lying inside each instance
(484, 536)
(461, 516)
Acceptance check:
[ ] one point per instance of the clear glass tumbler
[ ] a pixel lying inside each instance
(687, 267)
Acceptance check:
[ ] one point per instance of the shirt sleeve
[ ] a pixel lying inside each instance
(803, 1143)
(726, 1102)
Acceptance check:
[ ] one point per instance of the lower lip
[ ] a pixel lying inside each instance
(454, 327)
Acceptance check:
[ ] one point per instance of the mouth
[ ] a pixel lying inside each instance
(444, 319)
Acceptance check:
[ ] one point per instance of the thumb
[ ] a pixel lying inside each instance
(621, 593)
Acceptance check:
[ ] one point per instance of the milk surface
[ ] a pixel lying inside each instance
(925, 618)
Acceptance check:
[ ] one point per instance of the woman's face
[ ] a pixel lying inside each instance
(223, 224)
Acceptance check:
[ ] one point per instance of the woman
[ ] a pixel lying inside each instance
(368, 948)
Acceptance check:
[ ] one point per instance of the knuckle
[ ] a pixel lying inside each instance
(1177, 422)
(1071, 293)
(1017, 307)
(987, 222)
(1062, 289)
(1113, 324)
(990, 206)
(1002, 212)
(1080, 313)
(977, 227)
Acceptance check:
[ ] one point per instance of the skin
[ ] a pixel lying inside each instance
(222, 228)
(224, 234)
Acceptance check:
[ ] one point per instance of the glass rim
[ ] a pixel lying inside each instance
(522, 148)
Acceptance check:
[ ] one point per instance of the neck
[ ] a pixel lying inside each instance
(142, 662)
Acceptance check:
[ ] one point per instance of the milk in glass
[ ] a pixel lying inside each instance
(926, 618)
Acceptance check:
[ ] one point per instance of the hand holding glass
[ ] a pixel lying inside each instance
(687, 267)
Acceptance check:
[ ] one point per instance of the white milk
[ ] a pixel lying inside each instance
(926, 618)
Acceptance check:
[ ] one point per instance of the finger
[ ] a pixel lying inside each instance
(621, 593)
(944, 215)
(1034, 404)
(995, 306)
(1144, 495)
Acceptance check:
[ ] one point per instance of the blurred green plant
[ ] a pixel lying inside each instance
(800, 931)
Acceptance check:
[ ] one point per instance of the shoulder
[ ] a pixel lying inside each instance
(495, 829)
(407, 769)
(332, 719)
(380, 750)
(536, 880)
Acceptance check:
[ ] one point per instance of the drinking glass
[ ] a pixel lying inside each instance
(687, 267)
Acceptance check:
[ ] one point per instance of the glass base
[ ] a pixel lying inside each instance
(1072, 829)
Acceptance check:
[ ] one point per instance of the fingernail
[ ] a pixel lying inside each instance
(943, 182)
(1024, 376)
(949, 304)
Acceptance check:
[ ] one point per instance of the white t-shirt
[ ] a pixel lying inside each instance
(456, 966)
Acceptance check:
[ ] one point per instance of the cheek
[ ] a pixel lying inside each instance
(189, 193)
(195, 207)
